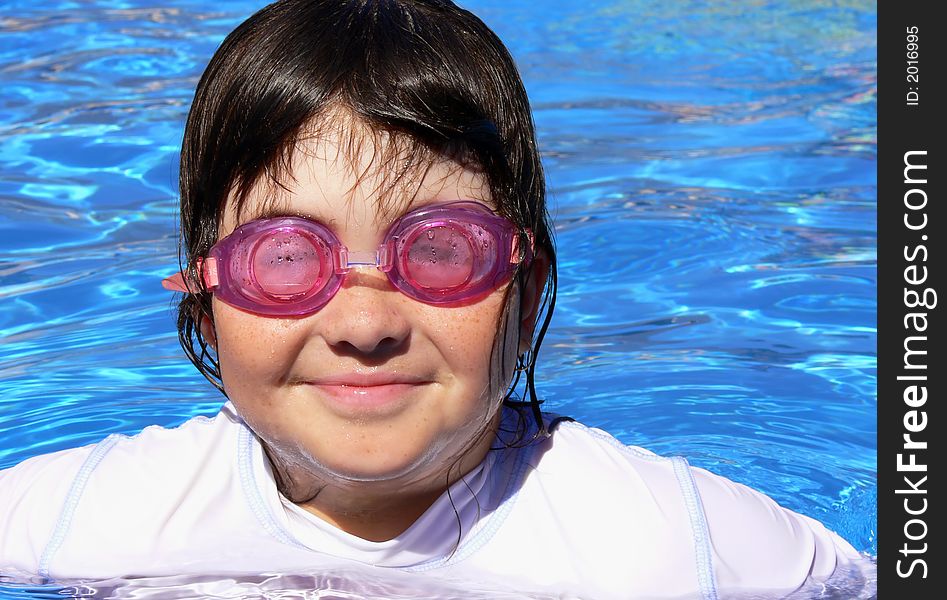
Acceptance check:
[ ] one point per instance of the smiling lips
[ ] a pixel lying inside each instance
(357, 393)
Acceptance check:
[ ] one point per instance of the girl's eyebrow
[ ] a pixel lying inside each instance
(276, 212)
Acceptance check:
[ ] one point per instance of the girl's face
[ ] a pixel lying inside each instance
(375, 386)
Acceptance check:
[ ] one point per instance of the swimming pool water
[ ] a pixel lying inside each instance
(712, 178)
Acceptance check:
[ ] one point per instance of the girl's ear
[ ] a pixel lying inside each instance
(531, 297)
(208, 332)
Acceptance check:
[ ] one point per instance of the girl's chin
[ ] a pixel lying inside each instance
(379, 464)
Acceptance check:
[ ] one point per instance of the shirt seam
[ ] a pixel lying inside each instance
(706, 577)
(64, 522)
(705, 569)
(251, 490)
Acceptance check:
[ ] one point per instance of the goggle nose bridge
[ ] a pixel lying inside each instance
(382, 258)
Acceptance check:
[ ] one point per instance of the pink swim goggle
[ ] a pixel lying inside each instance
(442, 254)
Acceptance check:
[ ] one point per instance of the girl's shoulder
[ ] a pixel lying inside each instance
(573, 460)
(173, 448)
(120, 480)
(612, 517)
(147, 454)
(574, 449)
(591, 515)
(29, 493)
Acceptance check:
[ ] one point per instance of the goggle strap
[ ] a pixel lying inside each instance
(525, 255)
(208, 270)
(175, 283)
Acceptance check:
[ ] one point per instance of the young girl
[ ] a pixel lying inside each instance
(369, 275)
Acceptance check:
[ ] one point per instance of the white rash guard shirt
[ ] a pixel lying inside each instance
(578, 515)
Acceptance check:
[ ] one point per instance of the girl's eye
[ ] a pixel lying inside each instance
(288, 264)
(440, 258)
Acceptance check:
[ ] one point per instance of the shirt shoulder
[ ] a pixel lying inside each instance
(157, 452)
(593, 516)
(161, 471)
(50, 504)
(32, 496)
(576, 450)
(621, 520)
(759, 545)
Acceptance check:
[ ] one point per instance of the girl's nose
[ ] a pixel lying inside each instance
(366, 317)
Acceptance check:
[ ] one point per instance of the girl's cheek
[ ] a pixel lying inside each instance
(248, 345)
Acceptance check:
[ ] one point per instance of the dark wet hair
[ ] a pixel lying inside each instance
(425, 73)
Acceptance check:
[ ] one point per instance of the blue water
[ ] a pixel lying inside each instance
(712, 177)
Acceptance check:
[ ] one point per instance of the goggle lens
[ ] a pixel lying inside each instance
(439, 258)
(288, 264)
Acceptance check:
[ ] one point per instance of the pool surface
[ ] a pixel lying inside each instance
(712, 179)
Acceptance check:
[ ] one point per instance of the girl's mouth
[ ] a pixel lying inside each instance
(367, 395)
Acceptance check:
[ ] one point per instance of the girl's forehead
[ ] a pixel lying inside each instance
(368, 181)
